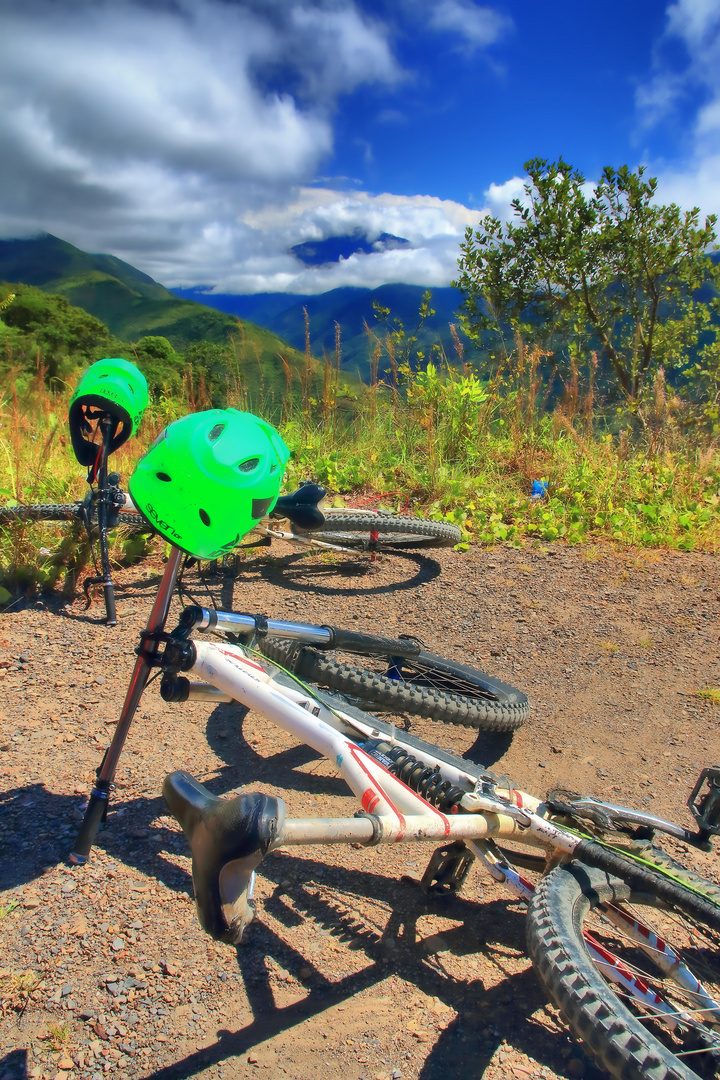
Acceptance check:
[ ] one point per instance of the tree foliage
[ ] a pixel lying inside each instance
(48, 328)
(605, 268)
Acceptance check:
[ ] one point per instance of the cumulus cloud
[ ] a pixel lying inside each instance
(432, 226)
(186, 136)
(478, 26)
(695, 23)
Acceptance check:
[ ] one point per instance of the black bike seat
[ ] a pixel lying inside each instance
(228, 839)
(302, 506)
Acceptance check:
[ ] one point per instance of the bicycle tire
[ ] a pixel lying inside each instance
(427, 685)
(62, 512)
(393, 531)
(629, 1042)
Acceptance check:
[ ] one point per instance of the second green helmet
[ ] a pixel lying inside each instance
(113, 386)
(209, 478)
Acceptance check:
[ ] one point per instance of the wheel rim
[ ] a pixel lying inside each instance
(402, 670)
(665, 968)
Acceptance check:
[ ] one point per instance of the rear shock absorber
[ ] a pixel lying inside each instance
(427, 780)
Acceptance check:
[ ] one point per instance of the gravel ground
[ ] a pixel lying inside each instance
(349, 970)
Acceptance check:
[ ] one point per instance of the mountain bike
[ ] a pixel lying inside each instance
(623, 937)
(106, 407)
(297, 518)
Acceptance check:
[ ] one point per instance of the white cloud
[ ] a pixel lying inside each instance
(696, 180)
(183, 136)
(479, 26)
(434, 228)
(500, 196)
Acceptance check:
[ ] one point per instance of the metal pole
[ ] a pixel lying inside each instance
(98, 801)
(107, 583)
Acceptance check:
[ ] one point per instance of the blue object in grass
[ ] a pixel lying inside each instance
(539, 489)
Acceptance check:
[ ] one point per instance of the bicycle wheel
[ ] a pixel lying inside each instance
(40, 512)
(637, 978)
(426, 685)
(357, 530)
(63, 512)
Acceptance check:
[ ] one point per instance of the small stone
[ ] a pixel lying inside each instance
(68, 887)
(118, 944)
(252, 1059)
(169, 969)
(305, 973)
(66, 991)
(65, 1063)
(31, 902)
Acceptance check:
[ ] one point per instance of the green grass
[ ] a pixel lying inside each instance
(7, 909)
(461, 450)
(710, 693)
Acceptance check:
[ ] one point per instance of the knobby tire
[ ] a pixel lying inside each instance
(429, 686)
(393, 531)
(626, 1040)
(62, 512)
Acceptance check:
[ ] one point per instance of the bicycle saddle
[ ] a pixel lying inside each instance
(228, 839)
(302, 506)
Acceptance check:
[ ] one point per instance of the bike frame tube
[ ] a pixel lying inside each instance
(396, 813)
(98, 801)
(231, 622)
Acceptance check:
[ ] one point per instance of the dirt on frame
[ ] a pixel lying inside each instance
(349, 970)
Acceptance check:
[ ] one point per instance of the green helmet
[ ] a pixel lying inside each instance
(209, 478)
(113, 386)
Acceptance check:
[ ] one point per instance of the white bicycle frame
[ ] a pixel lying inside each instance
(392, 812)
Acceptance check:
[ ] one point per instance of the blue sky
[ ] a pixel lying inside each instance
(204, 140)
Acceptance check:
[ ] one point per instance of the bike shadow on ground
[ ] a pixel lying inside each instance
(495, 1004)
(353, 576)
(489, 1009)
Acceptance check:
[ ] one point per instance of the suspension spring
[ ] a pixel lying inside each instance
(427, 780)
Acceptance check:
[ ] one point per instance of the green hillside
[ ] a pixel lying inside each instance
(72, 307)
(351, 307)
(127, 301)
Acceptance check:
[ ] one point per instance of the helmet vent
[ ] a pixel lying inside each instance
(249, 465)
(204, 517)
(215, 433)
(163, 476)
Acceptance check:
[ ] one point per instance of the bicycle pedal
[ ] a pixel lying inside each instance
(447, 869)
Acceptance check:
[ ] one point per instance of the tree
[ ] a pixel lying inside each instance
(47, 327)
(608, 269)
(159, 363)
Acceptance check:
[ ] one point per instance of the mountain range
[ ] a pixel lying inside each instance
(352, 309)
(129, 302)
(134, 306)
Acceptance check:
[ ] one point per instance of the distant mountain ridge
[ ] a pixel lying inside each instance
(129, 302)
(132, 305)
(351, 308)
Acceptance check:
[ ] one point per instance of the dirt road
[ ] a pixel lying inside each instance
(349, 971)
